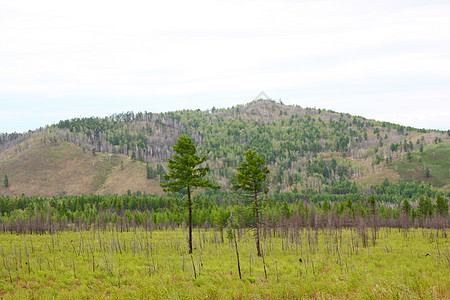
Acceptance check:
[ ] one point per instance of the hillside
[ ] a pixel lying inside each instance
(303, 147)
(63, 168)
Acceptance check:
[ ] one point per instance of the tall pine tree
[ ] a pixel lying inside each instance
(250, 178)
(185, 172)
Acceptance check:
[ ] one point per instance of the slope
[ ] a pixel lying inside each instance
(48, 169)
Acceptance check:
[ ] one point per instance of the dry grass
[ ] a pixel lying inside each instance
(132, 177)
(64, 168)
(379, 177)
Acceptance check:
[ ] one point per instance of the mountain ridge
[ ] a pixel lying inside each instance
(303, 147)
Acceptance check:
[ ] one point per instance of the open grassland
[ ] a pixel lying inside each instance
(435, 158)
(322, 264)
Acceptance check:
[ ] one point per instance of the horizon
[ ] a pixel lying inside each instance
(280, 101)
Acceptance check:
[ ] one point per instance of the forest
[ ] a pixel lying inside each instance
(303, 147)
(212, 209)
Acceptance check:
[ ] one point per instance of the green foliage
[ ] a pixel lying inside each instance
(409, 156)
(6, 181)
(184, 169)
(406, 207)
(442, 205)
(285, 211)
(427, 173)
(326, 206)
(431, 166)
(250, 178)
(252, 173)
(372, 205)
(425, 207)
(185, 173)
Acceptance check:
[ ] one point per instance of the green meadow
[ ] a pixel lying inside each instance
(306, 263)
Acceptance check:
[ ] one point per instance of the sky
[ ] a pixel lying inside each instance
(387, 60)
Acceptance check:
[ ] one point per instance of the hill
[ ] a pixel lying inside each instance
(62, 168)
(304, 148)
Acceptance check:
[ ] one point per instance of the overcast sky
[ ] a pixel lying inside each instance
(387, 60)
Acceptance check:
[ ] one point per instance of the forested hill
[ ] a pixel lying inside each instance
(304, 148)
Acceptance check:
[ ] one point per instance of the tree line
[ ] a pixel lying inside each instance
(208, 208)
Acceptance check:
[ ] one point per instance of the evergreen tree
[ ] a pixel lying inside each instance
(373, 205)
(409, 156)
(326, 206)
(6, 181)
(185, 173)
(150, 172)
(427, 173)
(250, 178)
(425, 206)
(442, 205)
(350, 209)
(406, 207)
(285, 210)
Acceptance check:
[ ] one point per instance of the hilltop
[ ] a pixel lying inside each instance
(304, 148)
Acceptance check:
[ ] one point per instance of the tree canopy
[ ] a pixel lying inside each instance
(252, 174)
(184, 169)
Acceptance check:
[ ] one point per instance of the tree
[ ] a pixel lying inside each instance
(406, 207)
(250, 178)
(409, 156)
(373, 205)
(442, 205)
(350, 209)
(427, 173)
(6, 181)
(185, 173)
(425, 207)
(326, 206)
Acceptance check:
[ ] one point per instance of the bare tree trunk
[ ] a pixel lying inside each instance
(190, 219)
(257, 224)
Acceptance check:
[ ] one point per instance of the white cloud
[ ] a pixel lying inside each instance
(142, 49)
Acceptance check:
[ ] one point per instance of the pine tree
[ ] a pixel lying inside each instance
(251, 175)
(409, 156)
(442, 205)
(406, 207)
(185, 173)
(6, 181)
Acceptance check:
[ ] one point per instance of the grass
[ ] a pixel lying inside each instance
(133, 177)
(155, 264)
(378, 178)
(64, 168)
(435, 157)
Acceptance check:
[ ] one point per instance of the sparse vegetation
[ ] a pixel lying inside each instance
(153, 264)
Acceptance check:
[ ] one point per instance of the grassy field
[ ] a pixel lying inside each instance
(323, 264)
(436, 158)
